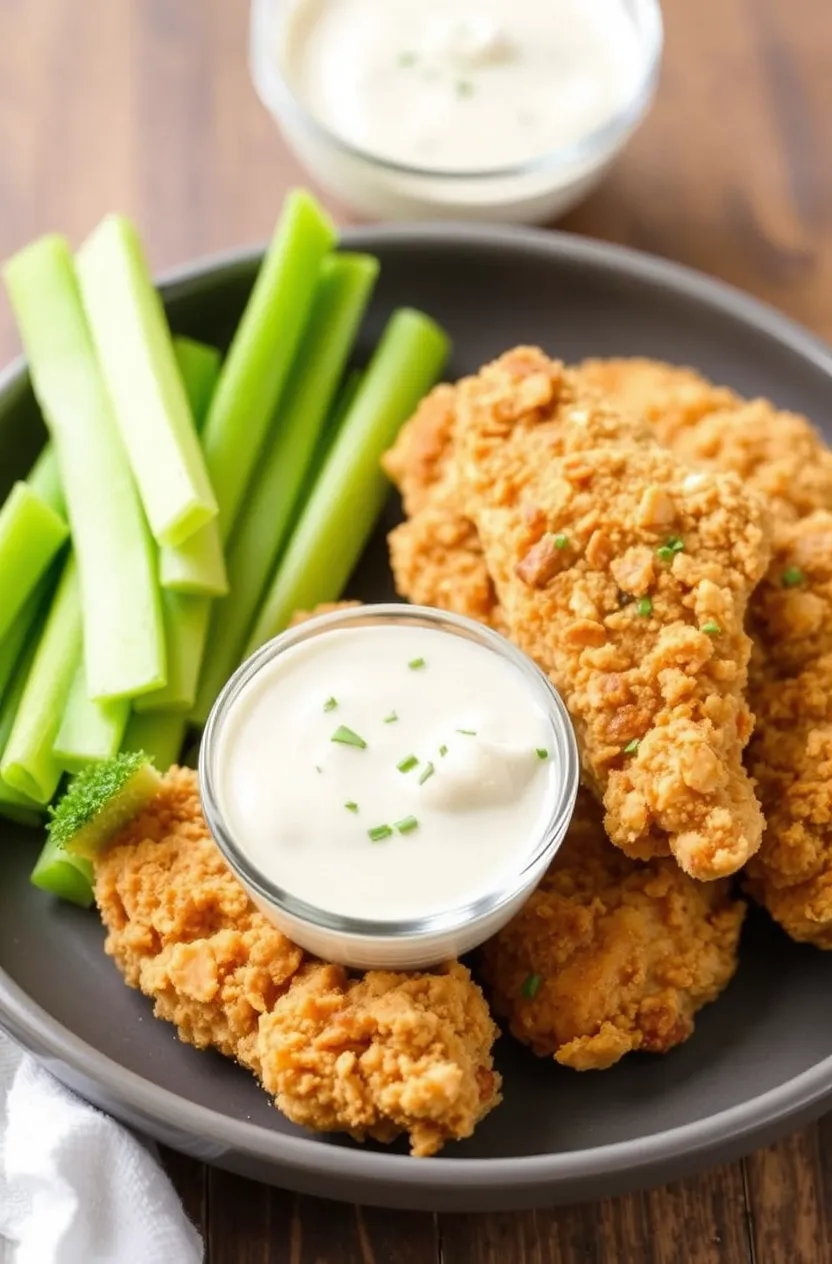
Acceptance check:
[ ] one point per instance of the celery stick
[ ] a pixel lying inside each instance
(186, 629)
(123, 642)
(340, 300)
(30, 535)
(13, 803)
(135, 351)
(28, 763)
(45, 480)
(89, 731)
(161, 736)
(351, 490)
(199, 365)
(23, 632)
(68, 877)
(262, 351)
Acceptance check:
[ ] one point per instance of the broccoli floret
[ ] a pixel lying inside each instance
(100, 800)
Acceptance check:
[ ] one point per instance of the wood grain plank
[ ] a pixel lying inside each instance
(190, 1179)
(790, 1196)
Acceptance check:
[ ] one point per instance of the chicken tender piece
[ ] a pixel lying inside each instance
(670, 398)
(790, 755)
(373, 1056)
(627, 577)
(611, 955)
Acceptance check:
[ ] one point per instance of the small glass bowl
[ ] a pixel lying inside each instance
(394, 944)
(534, 192)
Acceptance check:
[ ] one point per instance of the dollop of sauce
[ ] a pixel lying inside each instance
(387, 772)
(461, 85)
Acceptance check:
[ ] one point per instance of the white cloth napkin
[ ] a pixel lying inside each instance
(76, 1187)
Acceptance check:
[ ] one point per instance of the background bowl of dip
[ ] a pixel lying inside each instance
(389, 783)
(508, 110)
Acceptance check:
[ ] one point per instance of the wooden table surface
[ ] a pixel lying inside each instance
(146, 106)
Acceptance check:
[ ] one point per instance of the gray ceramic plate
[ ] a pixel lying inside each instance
(760, 1061)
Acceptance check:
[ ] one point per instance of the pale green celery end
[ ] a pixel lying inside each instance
(341, 298)
(31, 534)
(262, 351)
(135, 351)
(186, 631)
(68, 877)
(89, 731)
(351, 490)
(28, 763)
(124, 646)
(161, 735)
(199, 365)
(197, 567)
(44, 478)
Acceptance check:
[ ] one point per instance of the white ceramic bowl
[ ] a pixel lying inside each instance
(530, 193)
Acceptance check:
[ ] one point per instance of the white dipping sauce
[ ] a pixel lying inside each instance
(453, 786)
(459, 86)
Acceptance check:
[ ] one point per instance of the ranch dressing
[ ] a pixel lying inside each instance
(461, 85)
(387, 772)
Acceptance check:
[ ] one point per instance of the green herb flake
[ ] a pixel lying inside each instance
(561, 541)
(531, 986)
(670, 547)
(632, 747)
(330, 704)
(406, 59)
(351, 807)
(541, 752)
(792, 576)
(416, 663)
(443, 750)
(711, 628)
(392, 718)
(378, 833)
(405, 765)
(348, 738)
(318, 768)
(467, 732)
(407, 825)
(427, 774)
(644, 606)
(464, 88)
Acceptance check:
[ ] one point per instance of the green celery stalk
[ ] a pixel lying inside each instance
(262, 351)
(68, 877)
(186, 627)
(123, 640)
(45, 480)
(30, 536)
(340, 300)
(351, 489)
(160, 735)
(89, 731)
(28, 763)
(22, 631)
(135, 351)
(199, 366)
(13, 803)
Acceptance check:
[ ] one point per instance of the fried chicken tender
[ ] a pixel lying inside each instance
(790, 755)
(626, 576)
(611, 955)
(373, 1056)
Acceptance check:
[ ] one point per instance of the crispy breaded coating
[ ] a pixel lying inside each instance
(790, 754)
(381, 1055)
(626, 576)
(413, 1051)
(670, 398)
(419, 460)
(611, 955)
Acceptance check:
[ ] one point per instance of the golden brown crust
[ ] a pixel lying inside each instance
(622, 954)
(414, 1051)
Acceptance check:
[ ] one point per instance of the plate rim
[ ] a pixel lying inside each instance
(713, 1134)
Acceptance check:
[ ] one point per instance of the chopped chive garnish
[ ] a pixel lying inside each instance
(464, 88)
(351, 807)
(670, 547)
(347, 737)
(391, 718)
(712, 628)
(665, 553)
(632, 747)
(443, 750)
(541, 752)
(427, 774)
(318, 768)
(407, 59)
(792, 576)
(378, 832)
(407, 825)
(467, 732)
(330, 704)
(405, 765)
(416, 663)
(561, 541)
(644, 606)
(531, 986)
